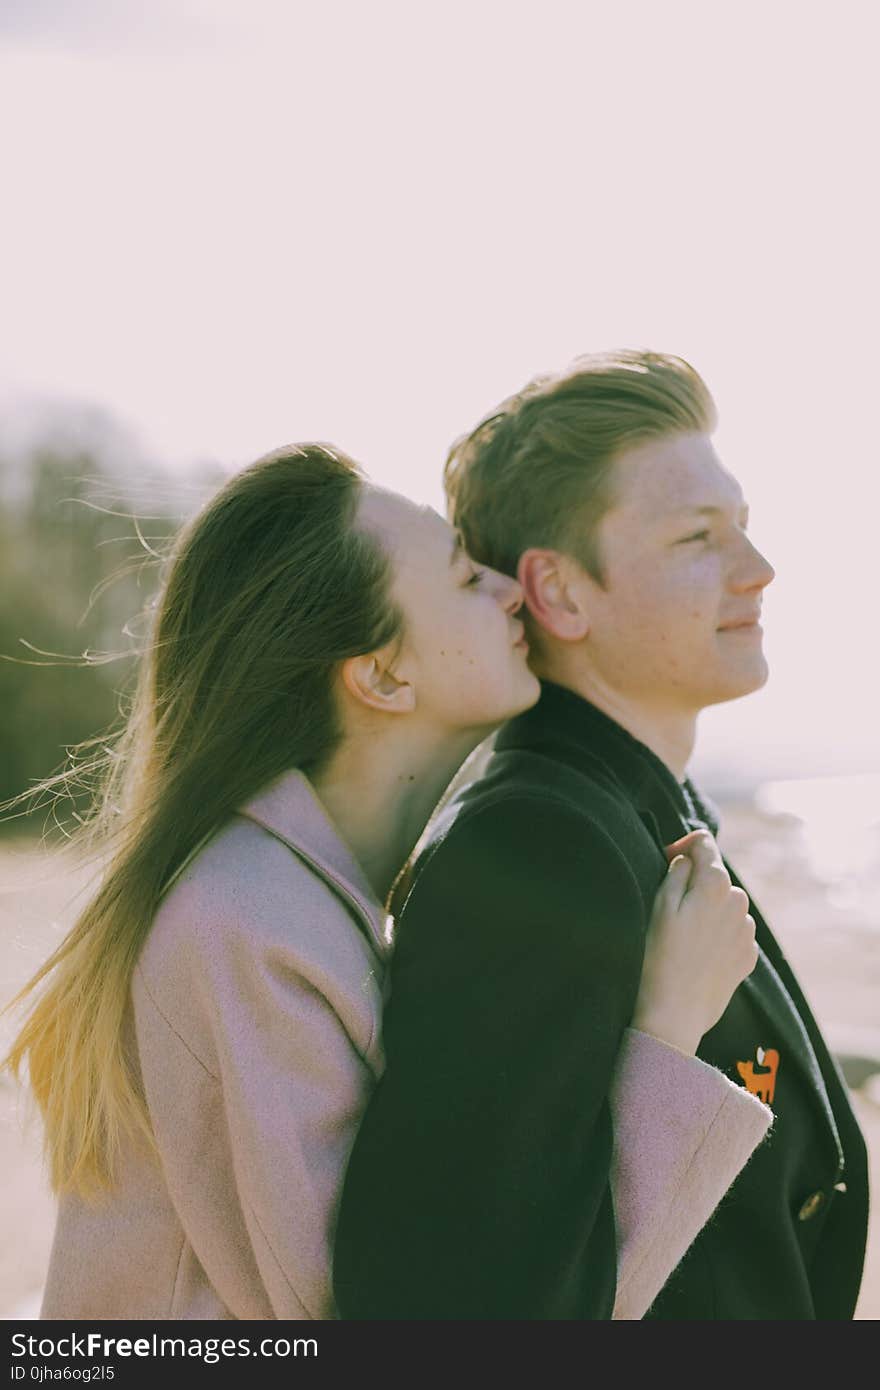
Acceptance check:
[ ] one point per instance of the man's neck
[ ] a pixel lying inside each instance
(670, 734)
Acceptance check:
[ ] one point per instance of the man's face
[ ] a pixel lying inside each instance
(675, 626)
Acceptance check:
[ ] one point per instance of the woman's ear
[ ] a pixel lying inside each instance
(370, 681)
(552, 594)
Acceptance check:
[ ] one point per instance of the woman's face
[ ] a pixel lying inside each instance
(463, 649)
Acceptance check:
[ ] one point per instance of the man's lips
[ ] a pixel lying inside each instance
(743, 624)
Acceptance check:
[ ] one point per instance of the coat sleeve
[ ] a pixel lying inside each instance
(255, 1089)
(682, 1133)
(478, 1186)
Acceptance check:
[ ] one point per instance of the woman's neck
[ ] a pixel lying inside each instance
(380, 794)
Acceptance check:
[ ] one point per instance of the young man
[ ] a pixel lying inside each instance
(600, 489)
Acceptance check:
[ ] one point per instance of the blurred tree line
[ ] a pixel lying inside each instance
(80, 514)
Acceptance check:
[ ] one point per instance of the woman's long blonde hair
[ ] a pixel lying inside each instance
(265, 592)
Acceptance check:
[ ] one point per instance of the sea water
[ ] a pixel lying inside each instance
(836, 831)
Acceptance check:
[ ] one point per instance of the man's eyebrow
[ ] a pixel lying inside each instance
(709, 511)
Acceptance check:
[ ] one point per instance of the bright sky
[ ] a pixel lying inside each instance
(235, 223)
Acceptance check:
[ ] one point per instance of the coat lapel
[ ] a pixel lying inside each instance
(764, 986)
(787, 1024)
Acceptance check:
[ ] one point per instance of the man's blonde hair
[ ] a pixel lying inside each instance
(538, 470)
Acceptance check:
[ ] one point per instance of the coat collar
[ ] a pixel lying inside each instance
(289, 808)
(568, 726)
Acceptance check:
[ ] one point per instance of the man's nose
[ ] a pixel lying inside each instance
(754, 570)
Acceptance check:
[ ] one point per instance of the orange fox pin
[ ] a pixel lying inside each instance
(761, 1083)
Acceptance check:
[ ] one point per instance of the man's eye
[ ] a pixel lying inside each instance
(697, 536)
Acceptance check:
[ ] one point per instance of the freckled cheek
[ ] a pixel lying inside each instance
(690, 601)
(664, 630)
(460, 655)
(655, 610)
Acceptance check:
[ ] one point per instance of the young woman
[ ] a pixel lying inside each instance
(324, 657)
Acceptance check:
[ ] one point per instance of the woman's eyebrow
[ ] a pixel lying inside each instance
(457, 547)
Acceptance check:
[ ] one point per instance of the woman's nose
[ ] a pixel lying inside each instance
(512, 594)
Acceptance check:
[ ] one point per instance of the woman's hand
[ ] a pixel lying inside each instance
(700, 946)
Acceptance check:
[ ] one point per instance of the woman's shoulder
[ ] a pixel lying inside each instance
(247, 891)
(243, 866)
(250, 931)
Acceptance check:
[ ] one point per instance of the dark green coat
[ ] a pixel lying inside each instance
(478, 1185)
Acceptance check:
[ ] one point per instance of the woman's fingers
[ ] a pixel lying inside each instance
(675, 885)
(698, 868)
(686, 842)
(700, 945)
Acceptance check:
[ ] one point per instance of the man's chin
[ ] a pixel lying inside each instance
(761, 675)
(745, 683)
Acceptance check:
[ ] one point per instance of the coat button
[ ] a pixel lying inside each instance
(811, 1206)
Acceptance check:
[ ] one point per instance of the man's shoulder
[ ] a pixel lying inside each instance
(526, 807)
(588, 788)
(541, 789)
(529, 843)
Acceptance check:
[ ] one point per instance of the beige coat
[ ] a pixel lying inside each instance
(256, 1026)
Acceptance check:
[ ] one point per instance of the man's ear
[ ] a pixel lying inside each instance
(370, 680)
(551, 594)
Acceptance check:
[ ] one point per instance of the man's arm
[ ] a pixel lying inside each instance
(478, 1186)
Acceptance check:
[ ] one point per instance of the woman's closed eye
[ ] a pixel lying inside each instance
(475, 578)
